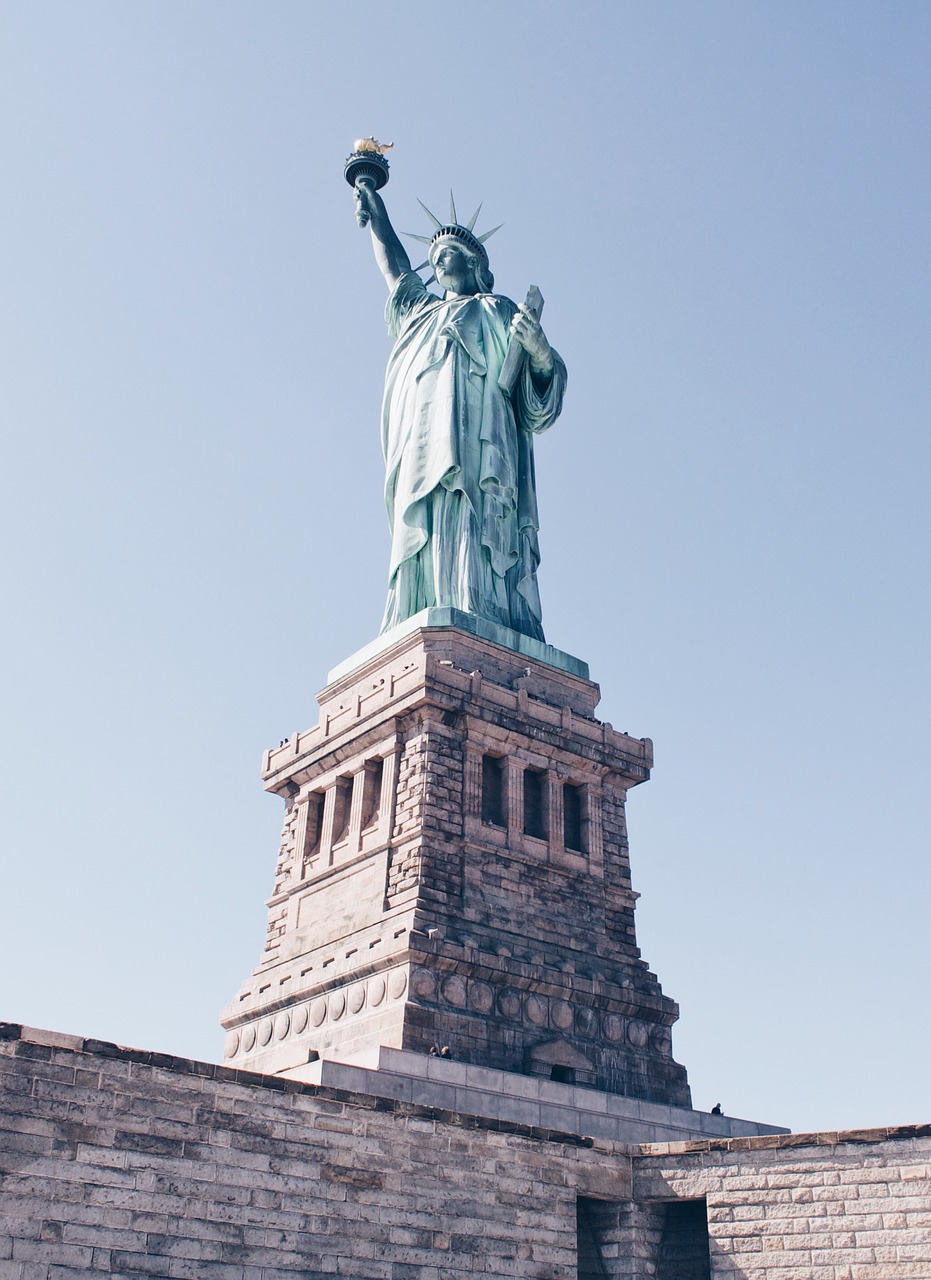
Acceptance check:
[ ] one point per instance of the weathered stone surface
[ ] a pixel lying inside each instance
(405, 915)
(530, 1100)
(822, 1206)
(123, 1162)
(187, 1169)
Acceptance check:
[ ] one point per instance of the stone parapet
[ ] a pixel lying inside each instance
(121, 1162)
(786, 1141)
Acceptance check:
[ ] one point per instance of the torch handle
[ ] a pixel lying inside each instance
(363, 186)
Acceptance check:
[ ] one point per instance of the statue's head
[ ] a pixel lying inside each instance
(469, 262)
(459, 261)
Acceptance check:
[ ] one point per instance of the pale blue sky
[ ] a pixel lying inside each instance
(726, 205)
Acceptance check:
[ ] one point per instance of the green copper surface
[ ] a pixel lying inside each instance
(457, 435)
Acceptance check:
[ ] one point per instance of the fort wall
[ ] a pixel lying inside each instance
(124, 1163)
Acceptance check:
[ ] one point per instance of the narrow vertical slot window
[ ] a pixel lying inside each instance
(314, 829)
(535, 803)
(342, 802)
(371, 797)
(572, 817)
(493, 790)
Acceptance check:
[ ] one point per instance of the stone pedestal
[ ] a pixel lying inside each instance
(454, 872)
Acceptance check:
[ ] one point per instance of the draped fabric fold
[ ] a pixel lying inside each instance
(459, 483)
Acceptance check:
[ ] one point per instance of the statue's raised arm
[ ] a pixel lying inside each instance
(390, 254)
(457, 427)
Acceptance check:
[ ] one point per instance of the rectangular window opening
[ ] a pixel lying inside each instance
(572, 817)
(314, 828)
(590, 1260)
(535, 803)
(683, 1247)
(493, 790)
(371, 795)
(341, 807)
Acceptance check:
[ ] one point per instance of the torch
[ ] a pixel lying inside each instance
(367, 160)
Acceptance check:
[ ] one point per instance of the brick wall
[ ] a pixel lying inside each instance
(825, 1206)
(126, 1163)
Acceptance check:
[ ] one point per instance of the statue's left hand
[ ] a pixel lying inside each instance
(526, 328)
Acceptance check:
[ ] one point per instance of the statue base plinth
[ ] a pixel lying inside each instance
(481, 627)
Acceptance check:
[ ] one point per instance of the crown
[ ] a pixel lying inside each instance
(454, 230)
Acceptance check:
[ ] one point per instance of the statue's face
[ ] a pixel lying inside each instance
(453, 268)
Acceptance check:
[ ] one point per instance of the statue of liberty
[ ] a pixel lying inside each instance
(457, 435)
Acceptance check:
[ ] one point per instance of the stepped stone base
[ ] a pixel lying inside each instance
(524, 1100)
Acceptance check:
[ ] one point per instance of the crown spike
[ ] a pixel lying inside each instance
(453, 215)
(489, 234)
(421, 267)
(412, 235)
(470, 225)
(433, 218)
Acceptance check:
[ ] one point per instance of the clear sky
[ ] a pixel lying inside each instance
(727, 206)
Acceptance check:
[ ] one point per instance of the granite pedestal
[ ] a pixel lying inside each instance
(454, 873)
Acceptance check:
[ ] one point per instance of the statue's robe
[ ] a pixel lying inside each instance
(459, 483)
